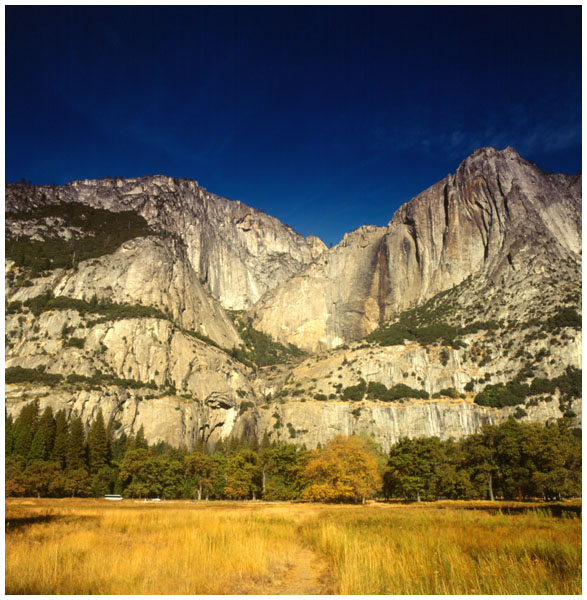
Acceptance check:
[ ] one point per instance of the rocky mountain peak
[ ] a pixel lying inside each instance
(116, 290)
(238, 252)
(496, 214)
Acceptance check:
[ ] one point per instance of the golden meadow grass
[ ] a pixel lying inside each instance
(421, 550)
(96, 547)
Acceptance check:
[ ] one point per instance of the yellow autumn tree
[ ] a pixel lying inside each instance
(345, 471)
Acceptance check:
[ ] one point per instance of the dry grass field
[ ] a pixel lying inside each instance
(81, 546)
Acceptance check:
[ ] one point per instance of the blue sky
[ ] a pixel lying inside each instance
(326, 117)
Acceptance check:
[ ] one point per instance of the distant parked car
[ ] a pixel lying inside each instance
(113, 497)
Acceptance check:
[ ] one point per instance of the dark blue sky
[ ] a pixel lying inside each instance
(325, 117)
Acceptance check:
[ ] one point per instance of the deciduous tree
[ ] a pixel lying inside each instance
(345, 471)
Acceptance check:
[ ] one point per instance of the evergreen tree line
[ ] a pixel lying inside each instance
(49, 454)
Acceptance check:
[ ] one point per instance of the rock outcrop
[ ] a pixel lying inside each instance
(498, 219)
(180, 422)
(477, 222)
(488, 261)
(333, 300)
(238, 252)
(150, 271)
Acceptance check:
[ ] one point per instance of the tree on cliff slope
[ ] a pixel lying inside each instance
(345, 471)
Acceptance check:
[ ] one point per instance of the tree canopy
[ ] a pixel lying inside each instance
(345, 471)
(51, 454)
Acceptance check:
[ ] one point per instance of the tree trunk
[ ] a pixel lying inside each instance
(263, 481)
(254, 495)
(418, 496)
(200, 492)
(490, 484)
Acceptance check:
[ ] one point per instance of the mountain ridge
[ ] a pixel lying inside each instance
(472, 288)
(469, 223)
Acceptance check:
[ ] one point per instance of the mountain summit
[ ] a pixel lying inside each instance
(200, 318)
(498, 220)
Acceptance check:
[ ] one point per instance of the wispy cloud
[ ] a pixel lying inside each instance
(542, 126)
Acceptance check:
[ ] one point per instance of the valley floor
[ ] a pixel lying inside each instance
(93, 546)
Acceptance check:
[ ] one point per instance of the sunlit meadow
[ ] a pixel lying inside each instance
(96, 547)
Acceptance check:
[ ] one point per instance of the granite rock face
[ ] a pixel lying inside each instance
(180, 422)
(143, 350)
(238, 252)
(313, 423)
(498, 242)
(477, 222)
(150, 271)
(333, 300)
(497, 219)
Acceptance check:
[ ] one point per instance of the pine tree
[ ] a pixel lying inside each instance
(8, 435)
(38, 446)
(110, 436)
(139, 440)
(76, 451)
(118, 447)
(25, 428)
(61, 443)
(46, 430)
(98, 447)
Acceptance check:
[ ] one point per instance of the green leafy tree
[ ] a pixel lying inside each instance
(512, 473)
(76, 482)
(452, 477)
(415, 469)
(42, 478)
(220, 460)
(167, 479)
(282, 471)
(103, 481)
(481, 461)
(202, 468)
(403, 476)
(241, 475)
(558, 462)
(14, 479)
(133, 472)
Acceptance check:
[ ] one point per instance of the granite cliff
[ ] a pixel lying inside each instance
(238, 252)
(174, 309)
(498, 220)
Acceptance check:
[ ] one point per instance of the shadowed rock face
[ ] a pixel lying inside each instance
(498, 214)
(238, 252)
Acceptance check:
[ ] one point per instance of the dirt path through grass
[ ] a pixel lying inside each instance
(307, 575)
